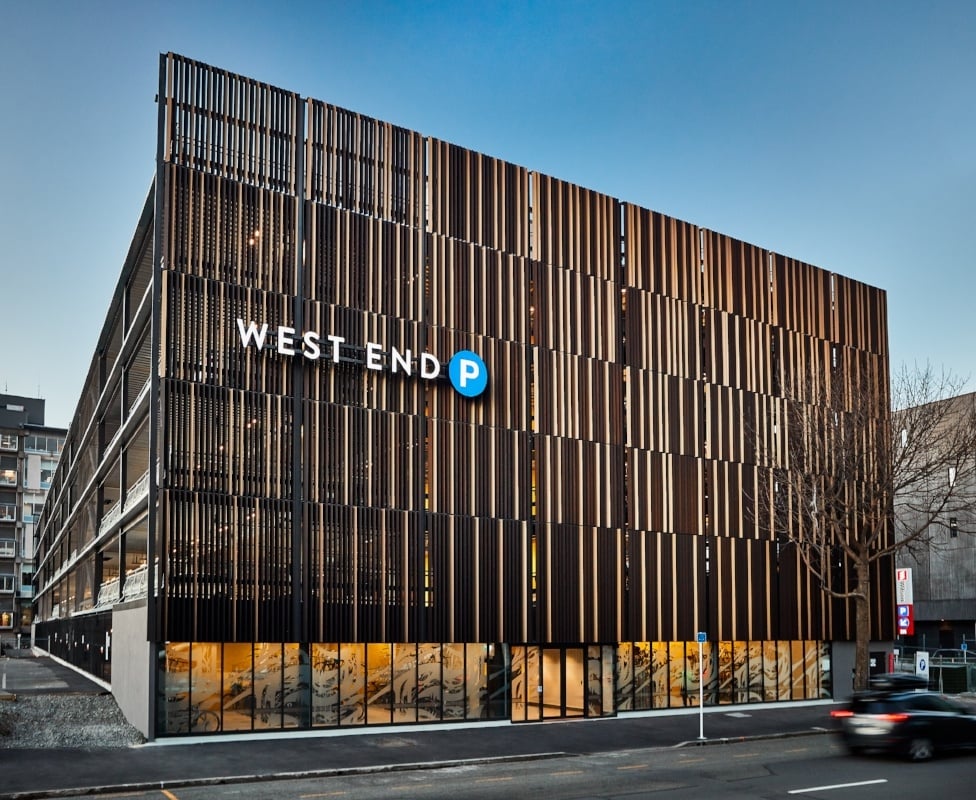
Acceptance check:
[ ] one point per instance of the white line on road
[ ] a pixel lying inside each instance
(837, 786)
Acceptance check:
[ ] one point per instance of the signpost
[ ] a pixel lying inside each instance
(702, 638)
(904, 600)
(922, 664)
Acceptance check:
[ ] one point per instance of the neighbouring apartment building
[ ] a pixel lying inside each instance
(943, 561)
(29, 453)
(380, 430)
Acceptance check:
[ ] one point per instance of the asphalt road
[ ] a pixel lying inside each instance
(805, 767)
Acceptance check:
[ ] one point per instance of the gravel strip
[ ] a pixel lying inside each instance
(85, 721)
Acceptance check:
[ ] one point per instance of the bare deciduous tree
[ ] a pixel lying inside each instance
(869, 472)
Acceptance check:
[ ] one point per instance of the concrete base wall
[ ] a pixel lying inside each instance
(131, 664)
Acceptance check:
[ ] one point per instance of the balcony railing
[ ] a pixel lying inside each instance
(135, 583)
(110, 517)
(136, 494)
(138, 491)
(108, 593)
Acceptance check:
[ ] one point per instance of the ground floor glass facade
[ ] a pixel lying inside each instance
(210, 687)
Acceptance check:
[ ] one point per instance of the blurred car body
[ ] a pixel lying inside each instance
(897, 716)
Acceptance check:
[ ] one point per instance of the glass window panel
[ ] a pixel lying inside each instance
(174, 682)
(573, 702)
(594, 681)
(429, 682)
(498, 680)
(659, 672)
(238, 699)
(726, 673)
(811, 667)
(295, 690)
(783, 670)
(676, 674)
(691, 677)
(770, 672)
(519, 699)
(642, 676)
(205, 687)
(475, 686)
(325, 684)
(448, 683)
(755, 660)
(352, 684)
(826, 683)
(797, 672)
(709, 655)
(379, 673)
(268, 689)
(551, 696)
(740, 672)
(608, 659)
(625, 676)
(405, 682)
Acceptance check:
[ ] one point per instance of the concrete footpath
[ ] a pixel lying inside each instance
(173, 763)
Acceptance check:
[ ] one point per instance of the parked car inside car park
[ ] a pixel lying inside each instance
(897, 716)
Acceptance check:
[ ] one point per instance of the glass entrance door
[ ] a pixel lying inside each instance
(551, 682)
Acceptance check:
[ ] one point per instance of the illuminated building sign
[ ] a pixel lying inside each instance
(466, 370)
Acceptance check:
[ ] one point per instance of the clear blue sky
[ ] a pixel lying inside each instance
(839, 133)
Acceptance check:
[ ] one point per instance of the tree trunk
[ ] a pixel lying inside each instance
(862, 622)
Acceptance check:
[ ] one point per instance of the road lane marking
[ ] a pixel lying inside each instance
(745, 755)
(493, 780)
(633, 766)
(323, 794)
(568, 772)
(797, 750)
(837, 786)
(169, 794)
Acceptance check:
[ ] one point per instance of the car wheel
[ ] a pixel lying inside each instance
(920, 749)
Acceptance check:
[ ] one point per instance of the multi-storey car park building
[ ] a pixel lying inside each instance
(29, 453)
(382, 430)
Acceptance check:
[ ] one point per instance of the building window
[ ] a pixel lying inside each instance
(8, 470)
(7, 583)
(47, 472)
(8, 548)
(8, 442)
(43, 444)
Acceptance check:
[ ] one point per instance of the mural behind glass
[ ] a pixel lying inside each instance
(209, 687)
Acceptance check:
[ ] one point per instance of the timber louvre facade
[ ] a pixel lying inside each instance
(335, 545)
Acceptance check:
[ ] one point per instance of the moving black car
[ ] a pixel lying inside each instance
(897, 716)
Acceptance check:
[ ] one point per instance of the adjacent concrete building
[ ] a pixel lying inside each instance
(943, 565)
(29, 454)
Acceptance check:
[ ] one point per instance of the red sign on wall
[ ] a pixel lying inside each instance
(906, 619)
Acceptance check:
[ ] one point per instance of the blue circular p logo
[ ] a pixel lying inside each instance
(468, 373)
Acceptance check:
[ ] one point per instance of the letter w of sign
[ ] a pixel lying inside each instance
(252, 332)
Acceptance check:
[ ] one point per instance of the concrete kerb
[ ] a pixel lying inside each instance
(757, 737)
